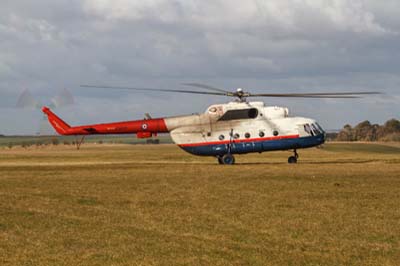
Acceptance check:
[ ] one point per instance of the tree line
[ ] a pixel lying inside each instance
(365, 131)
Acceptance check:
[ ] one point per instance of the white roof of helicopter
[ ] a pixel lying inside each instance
(234, 106)
(271, 112)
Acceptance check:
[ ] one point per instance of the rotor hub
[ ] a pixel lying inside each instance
(240, 94)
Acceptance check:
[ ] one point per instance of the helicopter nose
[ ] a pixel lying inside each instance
(323, 137)
(320, 139)
(319, 132)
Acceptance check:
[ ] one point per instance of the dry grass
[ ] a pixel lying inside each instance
(156, 205)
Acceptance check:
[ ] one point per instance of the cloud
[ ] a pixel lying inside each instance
(275, 45)
(289, 16)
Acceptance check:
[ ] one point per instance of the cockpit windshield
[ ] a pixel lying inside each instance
(313, 129)
(320, 128)
(307, 129)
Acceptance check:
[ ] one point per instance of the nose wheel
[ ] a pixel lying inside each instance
(293, 159)
(228, 159)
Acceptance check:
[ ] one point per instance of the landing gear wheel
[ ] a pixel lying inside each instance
(292, 159)
(228, 159)
(220, 160)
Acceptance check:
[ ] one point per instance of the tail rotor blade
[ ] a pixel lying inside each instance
(26, 100)
(64, 98)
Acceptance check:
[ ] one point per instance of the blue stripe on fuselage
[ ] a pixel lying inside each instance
(256, 146)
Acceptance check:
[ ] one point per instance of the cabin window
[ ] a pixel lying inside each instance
(236, 136)
(261, 134)
(247, 135)
(276, 133)
(221, 137)
(240, 114)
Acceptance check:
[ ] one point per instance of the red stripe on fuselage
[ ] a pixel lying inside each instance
(239, 141)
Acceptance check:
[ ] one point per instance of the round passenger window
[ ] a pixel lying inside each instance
(276, 133)
(236, 136)
(247, 135)
(221, 137)
(261, 134)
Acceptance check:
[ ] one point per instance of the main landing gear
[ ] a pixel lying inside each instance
(228, 159)
(293, 159)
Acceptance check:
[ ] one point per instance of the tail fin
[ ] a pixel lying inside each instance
(59, 125)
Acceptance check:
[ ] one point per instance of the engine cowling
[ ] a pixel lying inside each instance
(273, 112)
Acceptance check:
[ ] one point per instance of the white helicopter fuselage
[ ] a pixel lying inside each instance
(243, 127)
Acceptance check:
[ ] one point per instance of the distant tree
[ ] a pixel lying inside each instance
(365, 131)
(55, 141)
(392, 126)
(346, 134)
(362, 130)
(392, 137)
(372, 134)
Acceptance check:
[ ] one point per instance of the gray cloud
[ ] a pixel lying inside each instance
(275, 45)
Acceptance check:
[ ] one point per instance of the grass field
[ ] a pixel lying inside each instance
(156, 205)
(26, 141)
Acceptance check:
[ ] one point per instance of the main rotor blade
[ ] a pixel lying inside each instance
(304, 96)
(151, 89)
(204, 86)
(220, 92)
(317, 95)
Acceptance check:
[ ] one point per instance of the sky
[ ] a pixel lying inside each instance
(258, 45)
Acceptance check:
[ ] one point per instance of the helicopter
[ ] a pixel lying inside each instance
(223, 130)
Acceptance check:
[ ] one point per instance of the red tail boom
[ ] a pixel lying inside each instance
(144, 127)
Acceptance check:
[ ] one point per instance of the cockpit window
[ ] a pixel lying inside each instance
(315, 129)
(320, 128)
(307, 129)
(240, 114)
